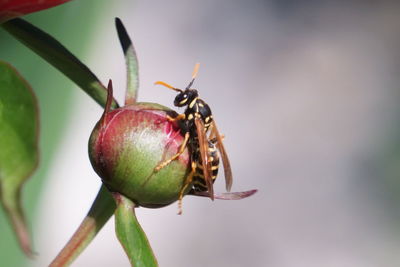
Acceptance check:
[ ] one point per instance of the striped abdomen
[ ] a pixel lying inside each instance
(199, 183)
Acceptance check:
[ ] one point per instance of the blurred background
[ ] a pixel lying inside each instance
(306, 93)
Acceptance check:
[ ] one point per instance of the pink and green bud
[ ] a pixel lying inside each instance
(128, 143)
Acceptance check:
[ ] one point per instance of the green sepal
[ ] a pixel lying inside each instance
(131, 235)
(19, 127)
(132, 67)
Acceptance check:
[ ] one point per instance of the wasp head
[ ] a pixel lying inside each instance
(185, 97)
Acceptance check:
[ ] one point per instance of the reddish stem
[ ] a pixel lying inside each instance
(101, 210)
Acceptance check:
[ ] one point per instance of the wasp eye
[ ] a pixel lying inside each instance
(185, 95)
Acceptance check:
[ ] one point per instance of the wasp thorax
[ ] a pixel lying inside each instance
(128, 143)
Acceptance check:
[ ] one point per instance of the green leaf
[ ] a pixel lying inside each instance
(56, 54)
(132, 67)
(18, 142)
(131, 235)
(102, 209)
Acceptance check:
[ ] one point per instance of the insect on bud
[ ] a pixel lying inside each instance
(127, 144)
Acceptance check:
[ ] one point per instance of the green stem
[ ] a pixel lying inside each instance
(57, 55)
(11, 202)
(131, 235)
(102, 209)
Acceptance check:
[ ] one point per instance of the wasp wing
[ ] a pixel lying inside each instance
(203, 147)
(224, 156)
(227, 196)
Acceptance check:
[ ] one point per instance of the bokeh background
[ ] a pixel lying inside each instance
(306, 93)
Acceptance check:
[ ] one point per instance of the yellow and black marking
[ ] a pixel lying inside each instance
(201, 138)
(199, 183)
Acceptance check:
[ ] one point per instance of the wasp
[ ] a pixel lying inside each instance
(203, 140)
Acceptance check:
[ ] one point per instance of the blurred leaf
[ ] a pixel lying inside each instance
(102, 209)
(15, 8)
(132, 68)
(18, 142)
(52, 86)
(131, 235)
(56, 54)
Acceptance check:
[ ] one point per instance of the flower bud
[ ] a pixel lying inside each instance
(128, 143)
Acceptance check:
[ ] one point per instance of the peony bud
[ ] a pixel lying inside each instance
(128, 143)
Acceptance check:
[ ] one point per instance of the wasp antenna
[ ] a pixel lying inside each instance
(195, 71)
(194, 74)
(167, 85)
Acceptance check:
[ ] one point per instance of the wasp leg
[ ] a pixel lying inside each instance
(188, 181)
(174, 157)
(177, 118)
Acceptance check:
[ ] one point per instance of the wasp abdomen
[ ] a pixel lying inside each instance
(199, 183)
